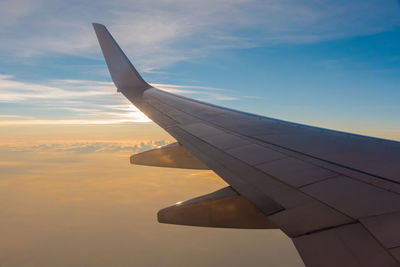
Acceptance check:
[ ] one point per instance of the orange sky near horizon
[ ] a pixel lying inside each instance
(69, 197)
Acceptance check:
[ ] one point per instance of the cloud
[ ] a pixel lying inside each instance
(64, 102)
(86, 147)
(7, 116)
(162, 32)
(16, 91)
(65, 122)
(67, 101)
(13, 11)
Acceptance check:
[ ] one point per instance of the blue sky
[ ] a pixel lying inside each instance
(334, 64)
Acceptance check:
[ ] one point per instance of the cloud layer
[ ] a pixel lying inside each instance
(84, 147)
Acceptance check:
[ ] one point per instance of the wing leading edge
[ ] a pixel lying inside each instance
(335, 194)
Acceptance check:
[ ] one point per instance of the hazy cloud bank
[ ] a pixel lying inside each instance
(85, 147)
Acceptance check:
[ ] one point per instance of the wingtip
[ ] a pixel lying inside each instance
(123, 73)
(95, 25)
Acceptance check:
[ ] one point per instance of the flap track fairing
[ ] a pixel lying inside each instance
(173, 156)
(224, 208)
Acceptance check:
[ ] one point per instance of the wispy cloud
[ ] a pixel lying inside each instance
(68, 101)
(9, 116)
(66, 122)
(12, 90)
(160, 32)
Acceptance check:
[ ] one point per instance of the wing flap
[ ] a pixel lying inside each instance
(354, 198)
(346, 246)
(385, 228)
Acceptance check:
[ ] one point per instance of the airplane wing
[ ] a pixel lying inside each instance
(335, 194)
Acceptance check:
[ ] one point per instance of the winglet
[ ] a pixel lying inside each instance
(123, 73)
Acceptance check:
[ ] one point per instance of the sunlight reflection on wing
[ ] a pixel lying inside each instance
(136, 116)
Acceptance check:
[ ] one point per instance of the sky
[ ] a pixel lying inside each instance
(333, 64)
(66, 134)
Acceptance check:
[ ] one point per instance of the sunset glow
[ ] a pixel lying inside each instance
(68, 193)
